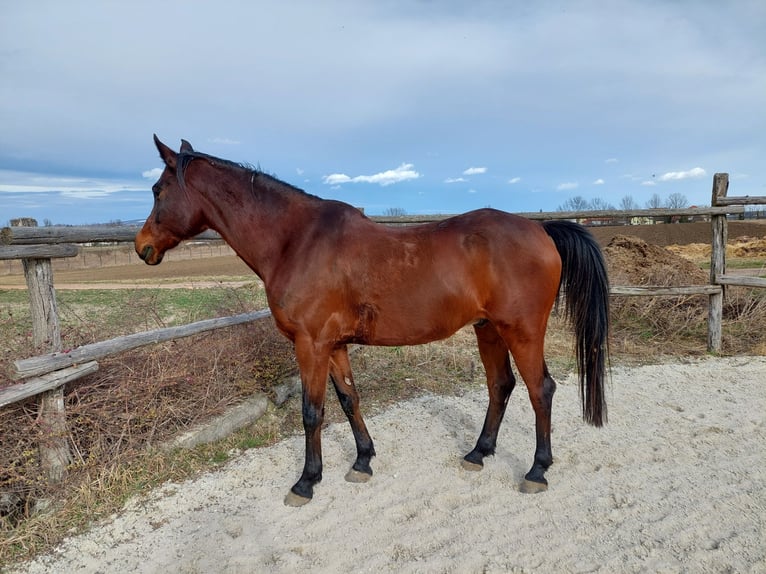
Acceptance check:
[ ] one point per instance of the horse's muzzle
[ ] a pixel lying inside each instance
(150, 256)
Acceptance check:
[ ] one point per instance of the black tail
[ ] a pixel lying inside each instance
(586, 293)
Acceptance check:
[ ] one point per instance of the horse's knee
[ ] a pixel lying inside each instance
(347, 403)
(313, 414)
(549, 387)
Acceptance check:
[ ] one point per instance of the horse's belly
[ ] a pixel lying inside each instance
(415, 328)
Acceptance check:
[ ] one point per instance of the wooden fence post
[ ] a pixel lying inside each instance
(717, 264)
(46, 336)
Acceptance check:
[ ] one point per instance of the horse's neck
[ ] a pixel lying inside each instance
(262, 223)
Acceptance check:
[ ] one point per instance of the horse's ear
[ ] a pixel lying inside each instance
(167, 154)
(186, 146)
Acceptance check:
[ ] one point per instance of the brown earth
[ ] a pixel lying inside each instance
(678, 233)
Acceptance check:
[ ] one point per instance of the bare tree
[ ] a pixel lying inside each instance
(627, 203)
(655, 202)
(576, 203)
(600, 204)
(394, 212)
(677, 201)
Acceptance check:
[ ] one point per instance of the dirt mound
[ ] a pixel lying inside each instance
(633, 261)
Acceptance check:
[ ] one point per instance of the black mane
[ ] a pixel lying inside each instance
(186, 157)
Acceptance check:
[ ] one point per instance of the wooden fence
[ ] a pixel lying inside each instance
(46, 374)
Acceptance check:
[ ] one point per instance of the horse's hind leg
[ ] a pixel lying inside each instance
(500, 383)
(343, 381)
(528, 355)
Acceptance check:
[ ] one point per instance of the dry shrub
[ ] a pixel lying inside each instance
(679, 322)
(744, 318)
(641, 321)
(135, 401)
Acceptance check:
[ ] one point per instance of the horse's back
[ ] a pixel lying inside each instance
(484, 246)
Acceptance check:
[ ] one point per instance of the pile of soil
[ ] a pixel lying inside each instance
(633, 261)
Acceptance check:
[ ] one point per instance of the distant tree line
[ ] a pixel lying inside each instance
(627, 203)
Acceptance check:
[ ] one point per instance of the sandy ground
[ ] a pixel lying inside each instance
(674, 483)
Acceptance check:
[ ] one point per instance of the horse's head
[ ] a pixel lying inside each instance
(175, 216)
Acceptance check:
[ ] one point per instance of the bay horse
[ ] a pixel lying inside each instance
(333, 277)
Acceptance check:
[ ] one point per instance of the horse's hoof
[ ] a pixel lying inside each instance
(472, 466)
(295, 500)
(532, 487)
(357, 476)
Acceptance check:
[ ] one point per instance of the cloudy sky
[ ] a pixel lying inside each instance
(426, 106)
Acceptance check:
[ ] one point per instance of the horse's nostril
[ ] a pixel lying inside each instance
(146, 252)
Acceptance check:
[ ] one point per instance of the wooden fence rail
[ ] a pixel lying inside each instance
(46, 374)
(50, 362)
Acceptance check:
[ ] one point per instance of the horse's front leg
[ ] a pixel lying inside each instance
(314, 366)
(343, 380)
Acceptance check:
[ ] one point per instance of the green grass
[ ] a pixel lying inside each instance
(734, 263)
(91, 315)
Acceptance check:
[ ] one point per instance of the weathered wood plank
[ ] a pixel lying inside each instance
(38, 251)
(80, 234)
(742, 200)
(720, 188)
(47, 382)
(126, 234)
(740, 280)
(720, 232)
(651, 290)
(40, 364)
(55, 455)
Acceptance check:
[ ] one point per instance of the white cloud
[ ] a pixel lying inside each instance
(472, 191)
(514, 180)
(336, 179)
(26, 182)
(648, 183)
(455, 180)
(567, 186)
(475, 171)
(611, 160)
(85, 193)
(152, 173)
(599, 181)
(689, 174)
(402, 173)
